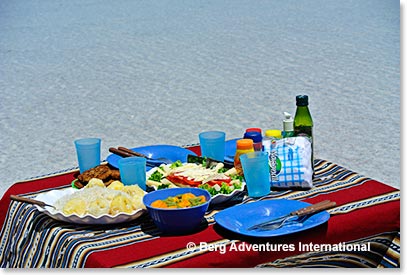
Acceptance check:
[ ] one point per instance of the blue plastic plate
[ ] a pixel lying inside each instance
(171, 152)
(230, 149)
(239, 218)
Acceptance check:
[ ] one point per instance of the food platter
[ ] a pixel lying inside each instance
(239, 218)
(51, 197)
(215, 198)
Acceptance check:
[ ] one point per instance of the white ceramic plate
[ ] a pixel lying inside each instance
(52, 196)
(218, 198)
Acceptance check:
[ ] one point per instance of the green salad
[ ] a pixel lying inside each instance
(216, 179)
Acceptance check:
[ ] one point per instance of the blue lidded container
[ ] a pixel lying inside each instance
(257, 140)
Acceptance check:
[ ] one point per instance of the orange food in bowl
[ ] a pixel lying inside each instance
(180, 201)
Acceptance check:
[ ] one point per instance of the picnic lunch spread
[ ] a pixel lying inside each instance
(100, 191)
(181, 190)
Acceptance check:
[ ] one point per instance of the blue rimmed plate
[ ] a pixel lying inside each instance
(171, 152)
(239, 218)
(230, 149)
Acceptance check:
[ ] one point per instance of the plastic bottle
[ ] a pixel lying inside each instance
(243, 146)
(270, 136)
(253, 130)
(257, 140)
(303, 123)
(288, 125)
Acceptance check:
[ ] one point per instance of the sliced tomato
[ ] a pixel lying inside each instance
(183, 180)
(219, 182)
(177, 179)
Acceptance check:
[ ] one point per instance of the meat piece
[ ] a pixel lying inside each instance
(115, 174)
(78, 184)
(100, 172)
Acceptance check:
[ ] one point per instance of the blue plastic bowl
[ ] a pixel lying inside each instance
(176, 221)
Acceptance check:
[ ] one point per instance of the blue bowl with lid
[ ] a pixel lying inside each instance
(177, 221)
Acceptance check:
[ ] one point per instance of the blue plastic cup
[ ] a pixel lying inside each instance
(213, 144)
(133, 171)
(88, 153)
(256, 173)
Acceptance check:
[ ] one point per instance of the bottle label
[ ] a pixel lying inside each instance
(275, 165)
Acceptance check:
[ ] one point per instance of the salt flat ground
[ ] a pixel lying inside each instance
(137, 73)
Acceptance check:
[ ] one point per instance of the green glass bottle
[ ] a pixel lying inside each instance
(303, 122)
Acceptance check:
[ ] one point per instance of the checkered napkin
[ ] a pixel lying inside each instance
(290, 163)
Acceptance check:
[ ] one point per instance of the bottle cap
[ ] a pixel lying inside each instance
(288, 122)
(244, 144)
(253, 130)
(255, 136)
(274, 133)
(302, 100)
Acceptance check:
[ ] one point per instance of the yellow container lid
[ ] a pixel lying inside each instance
(244, 144)
(274, 133)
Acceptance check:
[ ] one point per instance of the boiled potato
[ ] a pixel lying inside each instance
(95, 182)
(116, 185)
(99, 206)
(75, 206)
(120, 204)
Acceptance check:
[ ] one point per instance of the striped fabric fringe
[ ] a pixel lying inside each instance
(377, 256)
(392, 256)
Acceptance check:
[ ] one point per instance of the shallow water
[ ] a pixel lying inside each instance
(158, 72)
